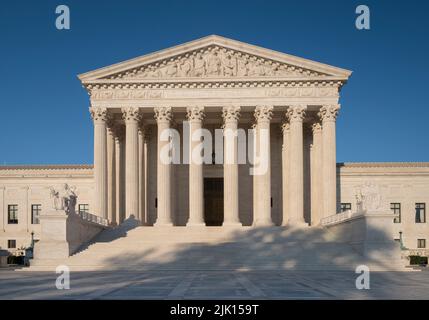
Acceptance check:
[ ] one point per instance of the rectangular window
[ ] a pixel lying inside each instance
(396, 210)
(420, 212)
(11, 244)
(84, 208)
(12, 214)
(35, 213)
(346, 207)
(421, 243)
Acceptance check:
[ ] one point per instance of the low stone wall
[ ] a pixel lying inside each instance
(370, 234)
(62, 234)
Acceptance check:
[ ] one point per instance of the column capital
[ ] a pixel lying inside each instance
(231, 113)
(263, 113)
(316, 128)
(163, 114)
(296, 113)
(99, 114)
(195, 113)
(329, 112)
(285, 127)
(131, 114)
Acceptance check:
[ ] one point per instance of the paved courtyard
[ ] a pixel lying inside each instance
(214, 285)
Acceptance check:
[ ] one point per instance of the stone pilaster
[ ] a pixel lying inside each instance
(328, 115)
(296, 115)
(163, 116)
(285, 172)
(316, 175)
(131, 116)
(99, 116)
(262, 214)
(195, 117)
(231, 115)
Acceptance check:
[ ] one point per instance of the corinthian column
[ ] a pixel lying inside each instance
(196, 181)
(230, 165)
(120, 173)
(328, 114)
(131, 116)
(163, 116)
(316, 175)
(142, 177)
(99, 116)
(296, 115)
(285, 171)
(111, 174)
(263, 115)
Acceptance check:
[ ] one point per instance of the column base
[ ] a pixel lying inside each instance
(232, 224)
(263, 224)
(196, 224)
(297, 224)
(163, 224)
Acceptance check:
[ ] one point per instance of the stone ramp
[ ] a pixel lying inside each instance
(213, 248)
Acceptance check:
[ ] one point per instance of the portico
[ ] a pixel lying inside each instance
(215, 83)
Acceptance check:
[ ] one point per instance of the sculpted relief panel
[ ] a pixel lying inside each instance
(215, 62)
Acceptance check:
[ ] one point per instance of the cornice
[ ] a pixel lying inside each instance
(48, 167)
(383, 165)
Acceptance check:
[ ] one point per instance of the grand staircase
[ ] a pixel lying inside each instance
(131, 248)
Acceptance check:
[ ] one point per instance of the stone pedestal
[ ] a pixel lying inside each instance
(61, 234)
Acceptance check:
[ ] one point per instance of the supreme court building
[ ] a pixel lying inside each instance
(217, 83)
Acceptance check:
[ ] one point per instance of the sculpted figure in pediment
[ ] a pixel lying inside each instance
(199, 65)
(213, 64)
(185, 67)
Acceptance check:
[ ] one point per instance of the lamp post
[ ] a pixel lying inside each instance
(400, 241)
(32, 240)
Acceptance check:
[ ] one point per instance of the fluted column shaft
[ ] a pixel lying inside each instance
(111, 174)
(131, 116)
(316, 175)
(263, 115)
(296, 115)
(230, 165)
(163, 117)
(196, 180)
(99, 116)
(285, 172)
(141, 169)
(328, 115)
(120, 173)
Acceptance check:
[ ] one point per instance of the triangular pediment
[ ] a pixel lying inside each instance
(215, 57)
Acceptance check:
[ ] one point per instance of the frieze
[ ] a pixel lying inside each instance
(138, 94)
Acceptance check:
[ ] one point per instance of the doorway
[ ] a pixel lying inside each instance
(213, 201)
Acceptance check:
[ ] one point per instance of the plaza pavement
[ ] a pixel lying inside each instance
(214, 285)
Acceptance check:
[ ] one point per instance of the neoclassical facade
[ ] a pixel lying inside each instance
(216, 84)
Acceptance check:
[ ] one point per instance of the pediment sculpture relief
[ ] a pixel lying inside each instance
(215, 62)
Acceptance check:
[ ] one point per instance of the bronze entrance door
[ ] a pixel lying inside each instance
(213, 201)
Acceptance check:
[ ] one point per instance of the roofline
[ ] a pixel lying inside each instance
(48, 167)
(383, 164)
(202, 42)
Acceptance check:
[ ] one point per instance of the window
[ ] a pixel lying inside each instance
(84, 208)
(11, 244)
(12, 217)
(396, 210)
(346, 207)
(35, 213)
(421, 243)
(420, 212)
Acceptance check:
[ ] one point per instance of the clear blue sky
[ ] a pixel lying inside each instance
(44, 110)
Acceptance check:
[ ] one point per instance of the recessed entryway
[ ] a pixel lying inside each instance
(213, 201)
